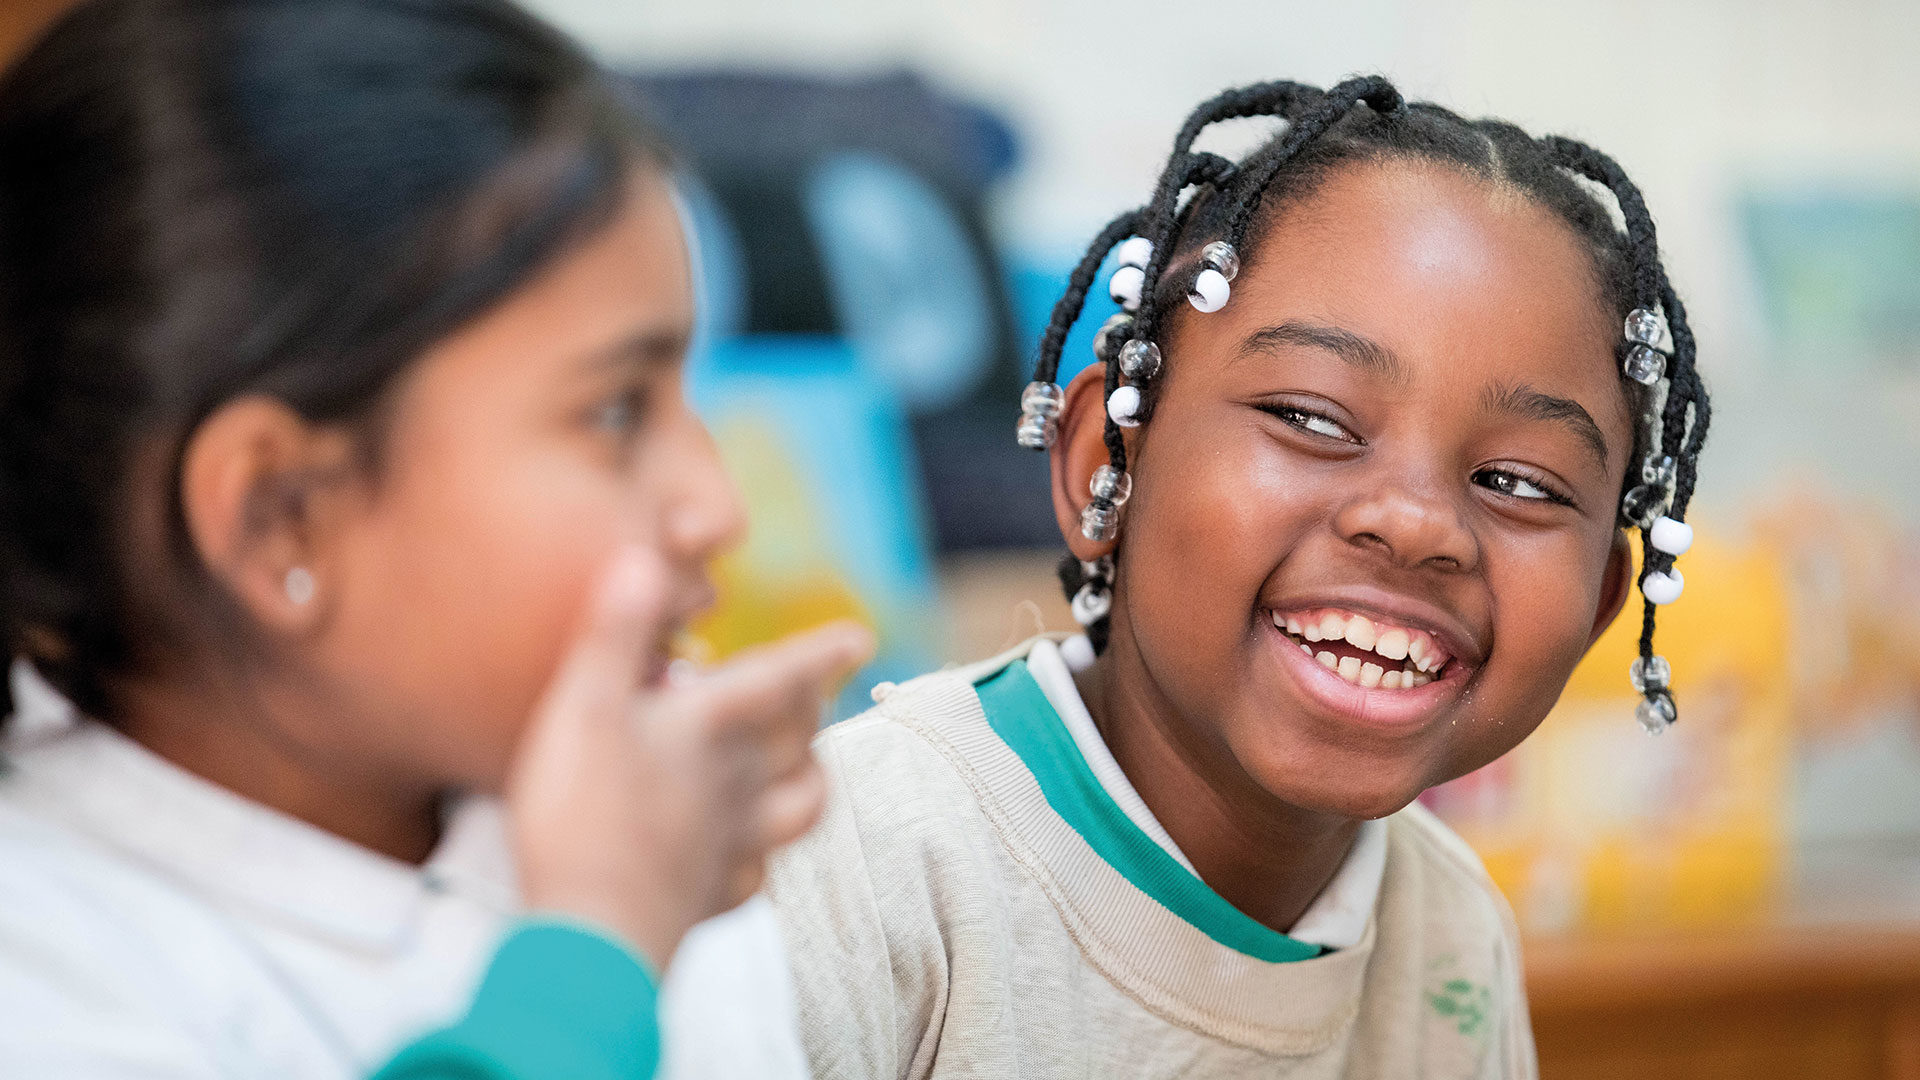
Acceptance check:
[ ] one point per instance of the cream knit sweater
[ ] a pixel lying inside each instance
(969, 909)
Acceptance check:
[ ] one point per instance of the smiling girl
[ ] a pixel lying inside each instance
(1346, 503)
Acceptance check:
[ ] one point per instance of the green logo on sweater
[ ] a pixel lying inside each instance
(1468, 1005)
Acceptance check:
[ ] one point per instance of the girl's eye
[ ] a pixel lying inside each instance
(621, 414)
(1306, 420)
(1518, 486)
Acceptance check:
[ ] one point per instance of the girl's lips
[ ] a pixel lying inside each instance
(1378, 709)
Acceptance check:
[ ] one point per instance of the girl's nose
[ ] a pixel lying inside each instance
(1412, 521)
(704, 514)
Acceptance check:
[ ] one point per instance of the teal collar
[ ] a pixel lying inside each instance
(1019, 713)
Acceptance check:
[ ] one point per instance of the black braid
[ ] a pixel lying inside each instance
(1066, 310)
(1237, 202)
(1686, 413)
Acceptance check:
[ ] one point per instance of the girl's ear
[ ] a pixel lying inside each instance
(1079, 449)
(263, 491)
(1615, 586)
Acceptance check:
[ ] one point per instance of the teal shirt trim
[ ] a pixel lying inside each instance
(1020, 714)
(560, 1002)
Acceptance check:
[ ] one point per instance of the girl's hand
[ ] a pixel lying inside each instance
(647, 810)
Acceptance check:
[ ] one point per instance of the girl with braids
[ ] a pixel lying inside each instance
(348, 497)
(1346, 501)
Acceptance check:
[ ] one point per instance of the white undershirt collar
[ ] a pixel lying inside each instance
(1337, 918)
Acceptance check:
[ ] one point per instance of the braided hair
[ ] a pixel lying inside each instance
(1204, 202)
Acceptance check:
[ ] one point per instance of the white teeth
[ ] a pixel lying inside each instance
(1392, 643)
(1371, 674)
(1424, 658)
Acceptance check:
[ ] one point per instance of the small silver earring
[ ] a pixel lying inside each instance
(300, 586)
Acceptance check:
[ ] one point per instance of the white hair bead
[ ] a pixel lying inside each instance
(1670, 536)
(1126, 285)
(1662, 588)
(1210, 291)
(1091, 604)
(1135, 251)
(1077, 651)
(1123, 405)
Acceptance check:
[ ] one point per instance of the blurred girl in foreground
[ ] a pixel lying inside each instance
(342, 454)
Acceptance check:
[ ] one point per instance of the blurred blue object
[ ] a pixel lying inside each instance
(822, 454)
(1839, 275)
(853, 209)
(903, 275)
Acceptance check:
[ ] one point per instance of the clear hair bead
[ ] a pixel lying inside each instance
(1100, 522)
(1110, 338)
(1110, 484)
(1040, 404)
(1648, 675)
(1643, 504)
(1656, 712)
(1036, 432)
(1658, 470)
(1644, 364)
(1220, 256)
(1140, 359)
(1646, 327)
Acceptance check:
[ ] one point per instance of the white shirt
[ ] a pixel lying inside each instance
(155, 925)
(1337, 918)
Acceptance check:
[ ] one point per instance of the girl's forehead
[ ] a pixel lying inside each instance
(1440, 274)
(1415, 255)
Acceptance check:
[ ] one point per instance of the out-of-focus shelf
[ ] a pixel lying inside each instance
(1755, 1004)
(1829, 987)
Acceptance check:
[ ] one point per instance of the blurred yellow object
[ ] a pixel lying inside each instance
(1591, 823)
(783, 578)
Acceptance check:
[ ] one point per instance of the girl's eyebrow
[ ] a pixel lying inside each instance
(1528, 403)
(1363, 353)
(644, 348)
(1371, 356)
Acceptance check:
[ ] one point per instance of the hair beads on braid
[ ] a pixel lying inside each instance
(1233, 201)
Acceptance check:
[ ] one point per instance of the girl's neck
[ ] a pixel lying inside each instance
(1268, 858)
(235, 748)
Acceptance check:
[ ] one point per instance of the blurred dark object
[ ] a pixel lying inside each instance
(23, 21)
(855, 208)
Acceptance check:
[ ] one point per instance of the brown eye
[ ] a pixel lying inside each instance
(1511, 483)
(1312, 422)
(622, 413)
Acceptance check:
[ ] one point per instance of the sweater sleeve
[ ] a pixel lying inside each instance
(559, 1002)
